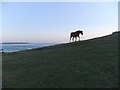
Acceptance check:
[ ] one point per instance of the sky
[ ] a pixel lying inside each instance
(59, 0)
(54, 21)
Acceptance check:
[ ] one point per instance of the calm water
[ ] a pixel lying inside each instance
(20, 47)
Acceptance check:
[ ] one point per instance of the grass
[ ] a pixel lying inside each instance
(85, 64)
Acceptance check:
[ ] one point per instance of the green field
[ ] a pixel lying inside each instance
(86, 64)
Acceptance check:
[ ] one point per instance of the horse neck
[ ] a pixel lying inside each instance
(78, 32)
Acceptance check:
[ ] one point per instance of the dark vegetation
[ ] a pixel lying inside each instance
(86, 64)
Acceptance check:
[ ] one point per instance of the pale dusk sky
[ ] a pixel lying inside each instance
(53, 21)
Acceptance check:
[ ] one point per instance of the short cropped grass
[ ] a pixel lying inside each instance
(86, 64)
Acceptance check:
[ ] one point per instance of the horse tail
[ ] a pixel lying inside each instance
(70, 36)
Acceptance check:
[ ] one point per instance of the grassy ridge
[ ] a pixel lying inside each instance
(90, 63)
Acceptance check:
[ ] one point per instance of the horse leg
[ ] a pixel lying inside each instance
(79, 38)
(70, 38)
(73, 39)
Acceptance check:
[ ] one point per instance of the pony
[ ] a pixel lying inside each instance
(75, 35)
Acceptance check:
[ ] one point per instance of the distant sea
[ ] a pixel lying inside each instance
(20, 47)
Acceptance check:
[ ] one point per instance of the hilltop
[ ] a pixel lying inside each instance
(85, 64)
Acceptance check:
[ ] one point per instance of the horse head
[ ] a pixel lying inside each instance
(80, 32)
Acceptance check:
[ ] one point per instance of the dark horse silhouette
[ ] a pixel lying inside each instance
(75, 35)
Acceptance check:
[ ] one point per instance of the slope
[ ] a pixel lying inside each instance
(85, 64)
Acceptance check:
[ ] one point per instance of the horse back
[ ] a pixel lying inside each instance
(74, 34)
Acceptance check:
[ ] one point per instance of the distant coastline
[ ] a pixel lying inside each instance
(20, 46)
(15, 43)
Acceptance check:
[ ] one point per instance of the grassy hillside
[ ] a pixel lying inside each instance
(85, 64)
